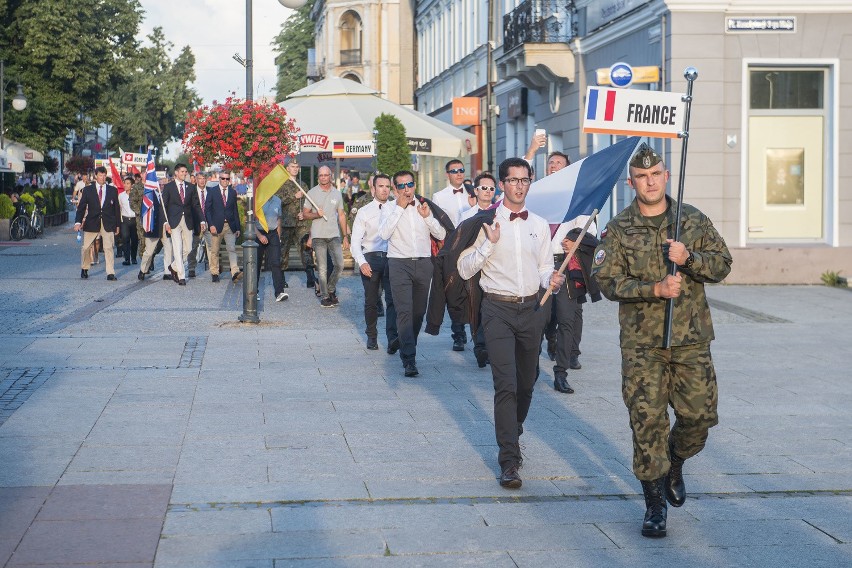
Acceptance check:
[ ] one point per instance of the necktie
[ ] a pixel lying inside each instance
(202, 200)
(182, 195)
(100, 194)
(225, 197)
(522, 215)
(459, 190)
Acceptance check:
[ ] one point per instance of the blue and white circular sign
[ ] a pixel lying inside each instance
(621, 75)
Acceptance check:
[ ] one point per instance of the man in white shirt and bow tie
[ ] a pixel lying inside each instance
(514, 257)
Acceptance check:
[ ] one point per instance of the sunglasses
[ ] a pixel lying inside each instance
(404, 185)
(485, 187)
(456, 171)
(224, 177)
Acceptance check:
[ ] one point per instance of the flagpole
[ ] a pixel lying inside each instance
(568, 256)
(691, 74)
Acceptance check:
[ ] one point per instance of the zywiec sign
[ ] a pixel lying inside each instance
(352, 149)
(633, 112)
(134, 159)
(466, 111)
(641, 75)
(420, 144)
(313, 142)
(759, 24)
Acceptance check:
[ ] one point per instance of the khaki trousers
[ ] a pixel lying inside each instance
(148, 255)
(230, 245)
(109, 249)
(181, 245)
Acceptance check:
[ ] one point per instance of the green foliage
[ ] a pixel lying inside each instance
(152, 103)
(393, 153)
(7, 209)
(68, 57)
(292, 44)
(832, 278)
(28, 201)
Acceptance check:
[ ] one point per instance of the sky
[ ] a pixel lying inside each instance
(215, 30)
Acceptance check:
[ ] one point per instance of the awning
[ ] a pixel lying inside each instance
(17, 154)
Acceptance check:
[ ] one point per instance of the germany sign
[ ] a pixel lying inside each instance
(634, 112)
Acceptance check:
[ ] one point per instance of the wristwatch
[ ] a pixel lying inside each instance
(689, 260)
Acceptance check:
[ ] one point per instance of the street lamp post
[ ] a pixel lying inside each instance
(19, 102)
(249, 314)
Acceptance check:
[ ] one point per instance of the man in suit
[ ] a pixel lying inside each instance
(99, 214)
(223, 219)
(198, 235)
(180, 200)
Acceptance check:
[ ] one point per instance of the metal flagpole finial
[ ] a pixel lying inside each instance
(691, 73)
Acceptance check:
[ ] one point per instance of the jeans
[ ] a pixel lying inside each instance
(328, 282)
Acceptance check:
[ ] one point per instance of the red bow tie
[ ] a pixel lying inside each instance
(458, 190)
(523, 215)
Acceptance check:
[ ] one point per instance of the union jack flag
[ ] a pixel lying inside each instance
(150, 196)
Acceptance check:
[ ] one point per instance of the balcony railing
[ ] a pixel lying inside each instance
(538, 21)
(316, 71)
(350, 57)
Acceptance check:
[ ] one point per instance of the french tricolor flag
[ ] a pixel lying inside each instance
(601, 104)
(583, 186)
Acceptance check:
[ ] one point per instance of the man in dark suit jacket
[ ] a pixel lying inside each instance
(223, 218)
(99, 214)
(180, 200)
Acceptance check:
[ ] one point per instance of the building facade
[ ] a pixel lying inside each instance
(771, 125)
(368, 41)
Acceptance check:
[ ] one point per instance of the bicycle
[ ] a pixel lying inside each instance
(20, 226)
(36, 219)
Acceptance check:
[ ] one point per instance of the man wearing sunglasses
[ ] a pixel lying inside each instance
(455, 201)
(407, 225)
(223, 219)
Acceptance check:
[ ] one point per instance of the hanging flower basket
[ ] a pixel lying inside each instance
(240, 135)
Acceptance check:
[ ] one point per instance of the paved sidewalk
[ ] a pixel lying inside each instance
(141, 425)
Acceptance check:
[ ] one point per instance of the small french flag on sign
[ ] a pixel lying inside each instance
(601, 108)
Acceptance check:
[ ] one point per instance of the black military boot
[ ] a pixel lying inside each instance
(675, 487)
(654, 524)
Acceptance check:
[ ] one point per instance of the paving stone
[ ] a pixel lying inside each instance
(90, 502)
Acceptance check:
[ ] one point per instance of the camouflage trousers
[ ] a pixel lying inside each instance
(290, 236)
(653, 379)
(140, 233)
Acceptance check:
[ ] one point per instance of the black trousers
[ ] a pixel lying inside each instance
(569, 315)
(272, 250)
(373, 285)
(513, 337)
(129, 238)
(409, 282)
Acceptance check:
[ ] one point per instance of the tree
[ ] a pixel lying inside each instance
(80, 164)
(292, 44)
(152, 104)
(392, 151)
(67, 55)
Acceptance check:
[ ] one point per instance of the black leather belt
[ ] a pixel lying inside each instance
(511, 299)
(378, 252)
(558, 258)
(128, 218)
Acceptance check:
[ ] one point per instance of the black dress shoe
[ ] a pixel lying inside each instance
(510, 478)
(141, 275)
(458, 344)
(181, 282)
(84, 273)
(574, 363)
(111, 277)
(482, 358)
(126, 263)
(214, 278)
(393, 346)
(551, 349)
(173, 273)
(167, 276)
(133, 261)
(192, 274)
(561, 384)
(411, 370)
(372, 344)
(236, 277)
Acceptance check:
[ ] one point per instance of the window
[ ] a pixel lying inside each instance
(350, 38)
(786, 88)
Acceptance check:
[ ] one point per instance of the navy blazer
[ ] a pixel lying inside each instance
(90, 209)
(177, 210)
(216, 212)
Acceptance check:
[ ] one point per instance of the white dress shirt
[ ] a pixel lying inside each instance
(471, 212)
(124, 202)
(577, 223)
(518, 264)
(407, 232)
(365, 232)
(453, 204)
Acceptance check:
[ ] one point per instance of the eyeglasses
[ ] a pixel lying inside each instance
(404, 185)
(226, 178)
(516, 181)
(485, 187)
(456, 171)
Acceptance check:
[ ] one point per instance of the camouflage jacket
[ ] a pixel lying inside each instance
(136, 191)
(629, 261)
(360, 202)
(290, 205)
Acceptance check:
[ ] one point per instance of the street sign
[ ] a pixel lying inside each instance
(641, 75)
(352, 148)
(633, 112)
(134, 159)
(620, 75)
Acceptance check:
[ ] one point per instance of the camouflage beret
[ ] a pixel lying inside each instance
(645, 157)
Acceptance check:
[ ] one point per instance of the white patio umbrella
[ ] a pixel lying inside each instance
(337, 109)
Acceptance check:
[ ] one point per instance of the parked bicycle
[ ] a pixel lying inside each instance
(20, 225)
(37, 219)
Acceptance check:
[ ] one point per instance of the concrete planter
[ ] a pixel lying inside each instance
(5, 224)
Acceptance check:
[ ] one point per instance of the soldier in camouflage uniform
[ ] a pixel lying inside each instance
(631, 266)
(292, 229)
(136, 192)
